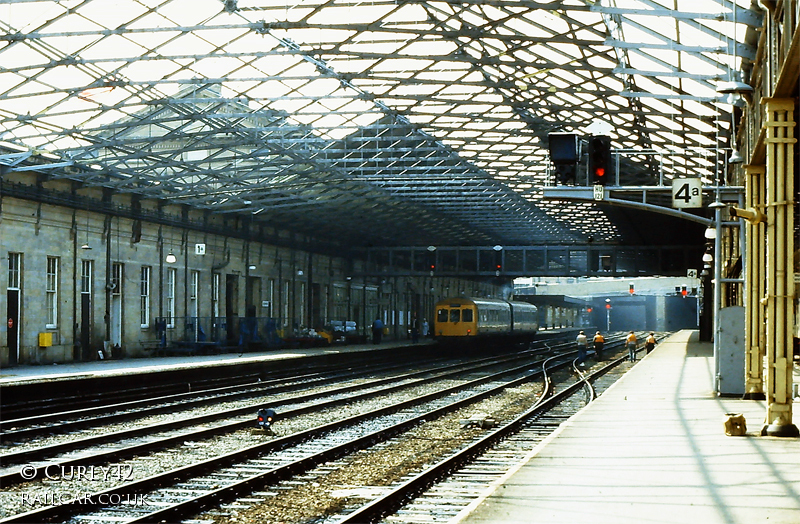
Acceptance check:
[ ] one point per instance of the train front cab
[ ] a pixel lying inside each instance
(455, 318)
(471, 317)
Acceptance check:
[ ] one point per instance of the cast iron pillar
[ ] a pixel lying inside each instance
(779, 140)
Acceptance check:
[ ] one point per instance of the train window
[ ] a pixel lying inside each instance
(467, 316)
(455, 315)
(441, 315)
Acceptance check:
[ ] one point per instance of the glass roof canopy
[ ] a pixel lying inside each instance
(386, 122)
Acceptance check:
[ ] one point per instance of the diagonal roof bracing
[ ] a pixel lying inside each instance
(386, 122)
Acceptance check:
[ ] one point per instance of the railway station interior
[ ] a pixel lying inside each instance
(192, 179)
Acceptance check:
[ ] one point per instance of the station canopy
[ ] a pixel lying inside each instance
(377, 123)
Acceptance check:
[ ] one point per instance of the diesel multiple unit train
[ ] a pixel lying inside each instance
(465, 317)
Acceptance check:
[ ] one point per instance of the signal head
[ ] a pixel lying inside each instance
(599, 159)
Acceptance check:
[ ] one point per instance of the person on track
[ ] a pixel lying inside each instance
(581, 341)
(599, 342)
(630, 342)
(650, 343)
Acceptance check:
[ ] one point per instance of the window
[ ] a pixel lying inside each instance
(215, 295)
(441, 315)
(51, 291)
(270, 296)
(194, 283)
(144, 296)
(87, 268)
(170, 296)
(467, 315)
(285, 300)
(14, 263)
(455, 315)
(116, 278)
(302, 304)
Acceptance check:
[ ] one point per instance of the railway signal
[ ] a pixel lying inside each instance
(430, 258)
(600, 159)
(564, 154)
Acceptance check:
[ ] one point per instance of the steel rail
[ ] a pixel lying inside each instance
(389, 502)
(100, 414)
(15, 477)
(142, 394)
(231, 492)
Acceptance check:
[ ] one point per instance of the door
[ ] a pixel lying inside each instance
(231, 309)
(86, 327)
(12, 313)
(116, 304)
(315, 306)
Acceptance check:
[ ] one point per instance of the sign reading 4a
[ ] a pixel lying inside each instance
(687, 192)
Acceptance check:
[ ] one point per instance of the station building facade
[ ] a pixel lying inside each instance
(93, 274)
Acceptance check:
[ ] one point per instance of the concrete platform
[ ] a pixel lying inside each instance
(652, 449)
(25, 374)
(109, 368)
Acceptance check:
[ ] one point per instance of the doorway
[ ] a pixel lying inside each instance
(12, 314)
(231, 309)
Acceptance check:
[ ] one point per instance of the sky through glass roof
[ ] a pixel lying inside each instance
(326, 115)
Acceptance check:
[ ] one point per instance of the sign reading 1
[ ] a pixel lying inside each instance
(687, 192)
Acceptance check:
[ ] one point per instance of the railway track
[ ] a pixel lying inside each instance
(433, 506)
(64, 421)
(228, 420)
(378, 387)
(469, 389)
(94, 393)
(278, 463)
(465, 485)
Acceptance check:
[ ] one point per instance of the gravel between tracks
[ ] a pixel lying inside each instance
(345, 482)
(24, 497)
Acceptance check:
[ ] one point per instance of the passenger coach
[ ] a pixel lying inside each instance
(464, 317)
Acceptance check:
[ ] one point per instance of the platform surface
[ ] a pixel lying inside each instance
(652, 449)
(36, 373)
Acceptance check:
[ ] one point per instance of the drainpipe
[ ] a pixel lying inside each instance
(754, 285)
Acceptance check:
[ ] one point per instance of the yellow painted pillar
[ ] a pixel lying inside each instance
(755, 247)
(779, 140)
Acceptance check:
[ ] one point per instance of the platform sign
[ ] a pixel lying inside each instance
(199, 249)
(687, 193)
(691, 273)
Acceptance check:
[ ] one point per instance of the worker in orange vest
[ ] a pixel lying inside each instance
(650, 342)
(599, 341)
(630, 342)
